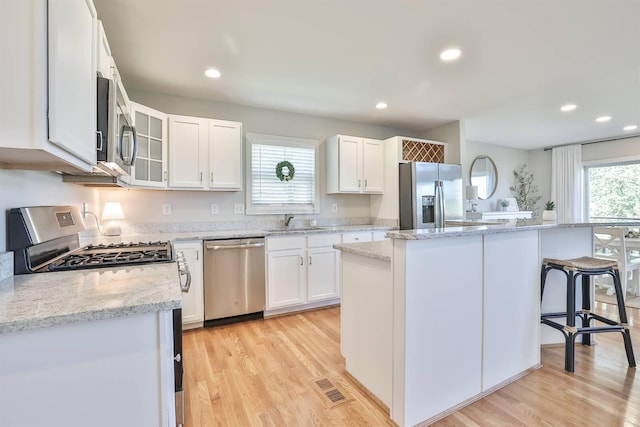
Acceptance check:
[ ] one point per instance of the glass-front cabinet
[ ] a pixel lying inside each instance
(150, 167)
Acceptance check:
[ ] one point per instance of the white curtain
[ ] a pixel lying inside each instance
(567, 183)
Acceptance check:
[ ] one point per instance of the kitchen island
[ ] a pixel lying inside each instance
(92, 347)
(456, 311)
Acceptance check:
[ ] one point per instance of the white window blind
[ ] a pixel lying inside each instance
(267, 193)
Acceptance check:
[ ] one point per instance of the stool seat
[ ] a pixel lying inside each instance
(584, 263)
(585, 267)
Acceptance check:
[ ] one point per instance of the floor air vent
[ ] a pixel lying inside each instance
(335, 395)
(331, 396)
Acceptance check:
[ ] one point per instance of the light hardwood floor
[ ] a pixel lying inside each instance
(264, 373)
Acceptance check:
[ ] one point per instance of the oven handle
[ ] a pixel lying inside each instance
(243, 246)
(183, 269)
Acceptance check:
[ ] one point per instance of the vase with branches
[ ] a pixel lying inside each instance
(524, 190)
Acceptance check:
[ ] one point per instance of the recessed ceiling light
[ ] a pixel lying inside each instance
(630, 127)
(603, 119)
(213, 73)
(450, 54)
(381, 105)
(568, 107)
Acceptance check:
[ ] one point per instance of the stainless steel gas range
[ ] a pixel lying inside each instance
(44, 239)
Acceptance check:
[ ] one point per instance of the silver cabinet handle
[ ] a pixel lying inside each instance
(356, 238)
(358, 183)
(211, 176)
(245, 246)
(301, 261)
(200, 176)
(165, 176)
(100, 145)
(365, 183)
(309, 259)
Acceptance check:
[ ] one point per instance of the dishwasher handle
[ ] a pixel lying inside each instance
(214, 247)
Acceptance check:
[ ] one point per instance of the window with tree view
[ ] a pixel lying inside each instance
(613, 191)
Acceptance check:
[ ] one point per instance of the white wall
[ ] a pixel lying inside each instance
(145, 206)
(506, 159)
(35, 188)
(451, 133)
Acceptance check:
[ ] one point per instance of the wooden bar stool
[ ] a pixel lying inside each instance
(585, 267)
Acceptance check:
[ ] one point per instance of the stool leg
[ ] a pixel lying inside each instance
(543, 279)
(586, 307)
(570, 339)
(622, 313)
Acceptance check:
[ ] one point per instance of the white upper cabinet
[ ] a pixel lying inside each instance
(205, 154)
(188, 140)
(103, 53)
(355, 165)
(49, 72)
(225, 155)
(150, 166)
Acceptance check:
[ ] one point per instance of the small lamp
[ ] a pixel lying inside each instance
(112, 212)
(472, 194)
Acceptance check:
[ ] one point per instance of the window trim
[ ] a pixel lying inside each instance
(284, 141)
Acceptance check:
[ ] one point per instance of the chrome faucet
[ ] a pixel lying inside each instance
(287, 219)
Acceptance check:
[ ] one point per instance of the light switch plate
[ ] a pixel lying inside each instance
(166, 209)
(334, 207)
(214, 209)
(238, 208)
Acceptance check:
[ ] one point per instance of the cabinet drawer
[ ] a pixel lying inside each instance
(357, 236)
(319, 240)
(282, 243)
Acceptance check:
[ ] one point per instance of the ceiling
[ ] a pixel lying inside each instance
(521, 61)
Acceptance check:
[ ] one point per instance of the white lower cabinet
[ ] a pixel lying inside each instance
(193, 300)
(302, 272)
(285, 278)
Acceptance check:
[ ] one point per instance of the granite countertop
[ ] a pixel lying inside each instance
(47, 299)
(466, 228)
(382, 249)
(232, 234)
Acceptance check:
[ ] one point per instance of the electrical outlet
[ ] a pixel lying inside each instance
(85, 209)
(214, 209)
(238, 208)
(166, 209)
(334, 207)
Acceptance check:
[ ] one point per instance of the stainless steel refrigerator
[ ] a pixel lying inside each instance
(419, 200)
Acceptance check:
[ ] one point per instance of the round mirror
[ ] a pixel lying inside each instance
(484, 175)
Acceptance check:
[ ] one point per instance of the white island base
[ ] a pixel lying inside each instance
(446, 320)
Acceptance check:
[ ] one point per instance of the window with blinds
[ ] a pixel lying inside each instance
(267, 193)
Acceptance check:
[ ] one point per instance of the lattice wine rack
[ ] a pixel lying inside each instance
(415, 151)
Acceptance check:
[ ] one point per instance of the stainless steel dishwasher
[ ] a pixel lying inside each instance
(234, 283)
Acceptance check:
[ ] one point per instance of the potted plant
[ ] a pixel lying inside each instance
(549, 213)
(504, 204)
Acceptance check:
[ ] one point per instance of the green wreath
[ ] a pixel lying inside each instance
(290, 171)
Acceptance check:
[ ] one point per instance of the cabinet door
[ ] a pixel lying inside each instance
(72, 77)
(150, 167)
(372, 166)
(225, 155)
(192, 301)
(350, 164)
(285, 278)
(322, 274)
(188, 141)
